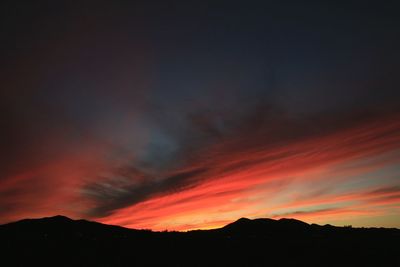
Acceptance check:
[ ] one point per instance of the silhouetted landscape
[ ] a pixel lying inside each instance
(60, 241)
(170, 116)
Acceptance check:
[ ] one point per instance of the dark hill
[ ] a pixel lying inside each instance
(60, 241)
(245, 226)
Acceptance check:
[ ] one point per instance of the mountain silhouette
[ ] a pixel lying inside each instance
(61, 241)
(266, 226)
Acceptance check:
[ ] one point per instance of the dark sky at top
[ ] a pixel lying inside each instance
(150, 86)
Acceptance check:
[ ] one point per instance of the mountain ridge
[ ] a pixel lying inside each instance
(62, 241)
(243, 221)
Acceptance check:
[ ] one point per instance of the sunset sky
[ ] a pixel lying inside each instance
(187, 115)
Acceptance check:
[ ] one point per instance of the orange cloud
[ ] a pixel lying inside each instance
(249, 182)
(243, 175)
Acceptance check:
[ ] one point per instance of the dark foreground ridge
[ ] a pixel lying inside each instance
(60, 241)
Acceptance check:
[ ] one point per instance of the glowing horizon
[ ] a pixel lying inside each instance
(269, 192)
(351, 173)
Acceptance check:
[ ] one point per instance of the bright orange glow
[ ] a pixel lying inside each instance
(350, 173)
(280, 180)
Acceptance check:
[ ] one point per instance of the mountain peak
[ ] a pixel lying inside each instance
(242, 220)
(59, 218)
(293, 221)
(261, 225)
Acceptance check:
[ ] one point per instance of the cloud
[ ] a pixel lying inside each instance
(116, 193)
(305, 212)
(388, 190)
(235, 173)
(110, 116)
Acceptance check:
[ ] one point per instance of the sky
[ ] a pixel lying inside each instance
(190, 115)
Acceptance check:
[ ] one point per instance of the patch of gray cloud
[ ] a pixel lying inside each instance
(265, 130)
(385, 190)
(304, 212)
(113, 193)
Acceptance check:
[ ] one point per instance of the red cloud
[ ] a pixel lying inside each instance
(241, 183)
